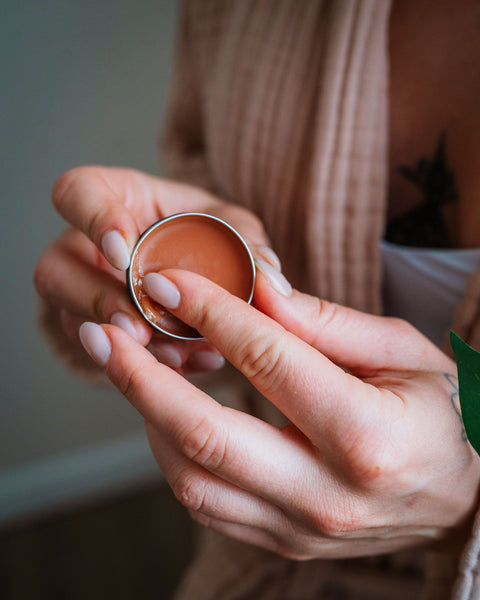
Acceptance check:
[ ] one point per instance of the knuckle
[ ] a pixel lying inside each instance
(325, 315)
(191, 490)
(401, 327)
(339, 519)
(206, 444)
(134, 381)
(204, 317)
(401, 331)
(401, 341)
(83, 183)
(64, 185)
(339, 523)
(329, 313)
(400, 334)
(372, 465)
(265, 361)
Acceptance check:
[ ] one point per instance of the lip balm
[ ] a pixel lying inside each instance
(194, 242)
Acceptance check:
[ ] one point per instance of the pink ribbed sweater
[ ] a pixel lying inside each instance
(267, 114)
(282, 106)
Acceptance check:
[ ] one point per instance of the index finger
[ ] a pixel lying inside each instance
(222, 440)
(94, 200)
(307, 387)
(112, 206)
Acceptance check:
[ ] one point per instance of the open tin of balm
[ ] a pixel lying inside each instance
(194, 242)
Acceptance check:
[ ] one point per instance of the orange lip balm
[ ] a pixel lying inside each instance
(194, 242)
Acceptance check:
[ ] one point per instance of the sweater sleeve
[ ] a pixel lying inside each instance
(467, 585)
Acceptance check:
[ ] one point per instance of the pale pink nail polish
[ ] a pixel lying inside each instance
(123, 321)
(162, 290)
(166, 354)
(206, 360)
(276, 279)
(96, 342)
(116, 250)
(269, 256)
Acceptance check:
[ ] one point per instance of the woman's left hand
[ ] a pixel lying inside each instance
(374, 458)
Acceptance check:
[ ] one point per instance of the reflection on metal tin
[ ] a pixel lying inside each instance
(195, 242)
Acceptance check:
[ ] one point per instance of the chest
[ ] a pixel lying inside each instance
(434, 51)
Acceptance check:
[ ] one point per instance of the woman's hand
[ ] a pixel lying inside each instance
(373, 460)
(81, 275)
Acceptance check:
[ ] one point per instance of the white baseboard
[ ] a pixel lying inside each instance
(75, 478)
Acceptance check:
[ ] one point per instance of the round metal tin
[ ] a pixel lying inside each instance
(202, 260)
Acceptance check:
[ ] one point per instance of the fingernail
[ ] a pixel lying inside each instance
(123, 321)
(162, 290)
(96, 342)
(276, 279)
(116, 250)
(166, 354)
(206, 360)
(269, 256)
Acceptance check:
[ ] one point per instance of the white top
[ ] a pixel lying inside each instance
(424, 286)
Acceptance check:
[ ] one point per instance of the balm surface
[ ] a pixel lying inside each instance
(194, 242)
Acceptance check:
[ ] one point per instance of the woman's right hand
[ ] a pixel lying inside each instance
(81, 275)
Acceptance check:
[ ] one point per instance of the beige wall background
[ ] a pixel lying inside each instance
(83, 81)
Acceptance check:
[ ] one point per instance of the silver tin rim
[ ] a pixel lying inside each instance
(148, 231)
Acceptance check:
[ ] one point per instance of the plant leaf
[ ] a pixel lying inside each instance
(468, 367)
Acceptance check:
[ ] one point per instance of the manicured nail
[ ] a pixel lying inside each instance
(123, 321)
(276, 279)
(166, 354)
(268, 255)
(162, 290)
(206, 360)
(116, 250)
(96, 342)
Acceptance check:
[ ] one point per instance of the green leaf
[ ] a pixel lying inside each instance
(468, 367)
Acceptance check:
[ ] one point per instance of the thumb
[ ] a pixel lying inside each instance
(350, 338)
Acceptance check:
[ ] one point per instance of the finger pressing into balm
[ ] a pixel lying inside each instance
(194, 242)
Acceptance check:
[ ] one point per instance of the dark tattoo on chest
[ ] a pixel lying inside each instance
(425, 224)
(455, 399)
